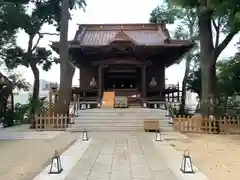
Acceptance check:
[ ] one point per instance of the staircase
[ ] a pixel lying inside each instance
(109, 119)
(108, 99)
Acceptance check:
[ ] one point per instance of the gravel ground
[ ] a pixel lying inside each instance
(23, 159)
(215, 155)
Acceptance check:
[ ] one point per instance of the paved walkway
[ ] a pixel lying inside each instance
(118, 156)
(122, 156)
(22, 132)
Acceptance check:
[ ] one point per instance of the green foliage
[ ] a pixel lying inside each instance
(50, 10)
(18, 82)
(227, 11)
(44, 12)
(41, 56)
(194, 81)
(7, 118)
(41, 105)
(8, 25)
(228, 72)
(164, 14)
(23, 111)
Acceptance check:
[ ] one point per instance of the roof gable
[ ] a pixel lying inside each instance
(122, 37)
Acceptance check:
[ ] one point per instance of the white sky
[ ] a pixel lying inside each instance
(108, 11)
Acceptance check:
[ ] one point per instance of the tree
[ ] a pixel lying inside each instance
(186, 19)
(50, 12)
(66, 68)
(9, 25)
(34, 55)
(228, 72)
(227, 14)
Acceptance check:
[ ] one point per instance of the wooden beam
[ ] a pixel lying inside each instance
(122, 61)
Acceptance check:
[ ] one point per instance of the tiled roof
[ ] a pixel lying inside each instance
(139, 35)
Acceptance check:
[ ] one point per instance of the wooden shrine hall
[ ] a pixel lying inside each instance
(123, 65)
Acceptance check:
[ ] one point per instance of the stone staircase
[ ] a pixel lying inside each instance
(109, 119)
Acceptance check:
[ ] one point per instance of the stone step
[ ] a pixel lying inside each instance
(115, 124)
(165, 123)
(125, 110)
(119, 118)
(117, 121)
(133, 110)
(120, 112)
(112, 128)
(109, 119)
(109, 129)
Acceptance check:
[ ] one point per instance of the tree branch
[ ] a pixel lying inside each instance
(224, 43)
(214, 25)
(50, 34)
(217, 29)
(35, 46)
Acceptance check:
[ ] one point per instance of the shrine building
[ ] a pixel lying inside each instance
(123, 65)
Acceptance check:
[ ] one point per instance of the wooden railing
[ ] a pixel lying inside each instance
(225, 125)
(47, 122)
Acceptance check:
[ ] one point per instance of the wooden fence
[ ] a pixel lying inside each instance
(46, 122)
(224, 125)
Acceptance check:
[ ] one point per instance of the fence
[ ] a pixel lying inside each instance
(46, 122)
(224, 125)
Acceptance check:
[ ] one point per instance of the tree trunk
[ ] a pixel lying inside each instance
(64, 89)
(225, 103)
(35, 94)
(206, 55)
(213, 86)
(184, 83)
(35, 71)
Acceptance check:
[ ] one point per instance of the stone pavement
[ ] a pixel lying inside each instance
(121, 156)
(22, 132)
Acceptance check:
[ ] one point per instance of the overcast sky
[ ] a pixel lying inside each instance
(109, 11)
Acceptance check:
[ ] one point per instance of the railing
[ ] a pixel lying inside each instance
(47, 122)
(198, 124)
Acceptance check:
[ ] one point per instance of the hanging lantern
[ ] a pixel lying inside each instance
(56, 166)
(159, 136)
(98, 105)
(155, 106)
(88, 106)
(85, 135)
(186, 166)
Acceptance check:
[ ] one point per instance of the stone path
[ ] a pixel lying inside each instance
(5, 135)
(118, 156)
(22, 132)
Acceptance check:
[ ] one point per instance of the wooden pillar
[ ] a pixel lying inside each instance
(143, 81)
(99, 81)
(79, 77)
